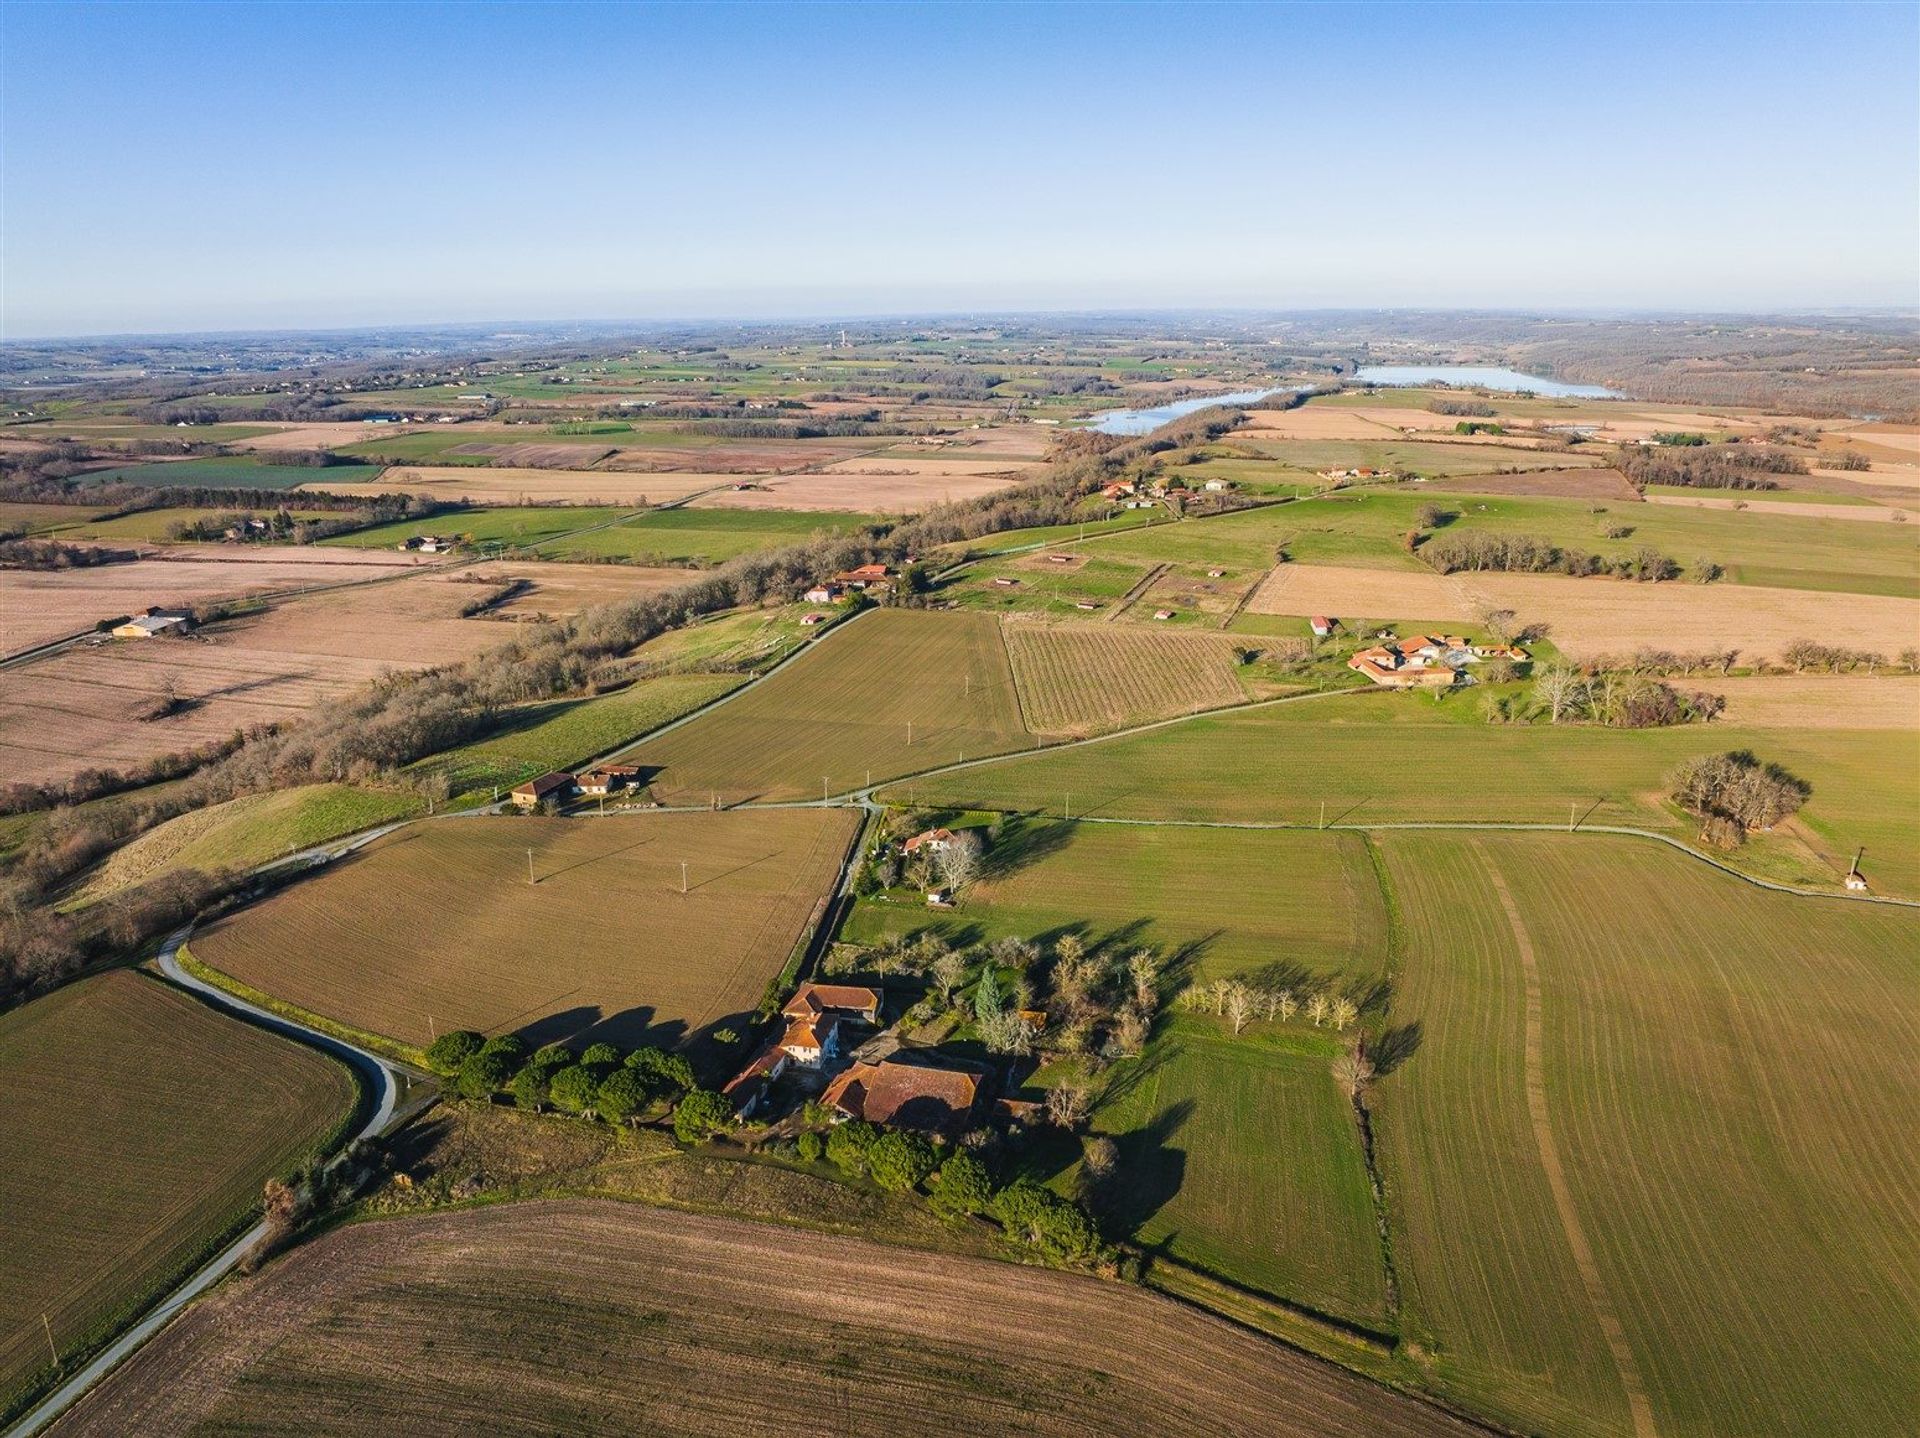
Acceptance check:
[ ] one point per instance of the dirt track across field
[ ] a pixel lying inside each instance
(602, 1317)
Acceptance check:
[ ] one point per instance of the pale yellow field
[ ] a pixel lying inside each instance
(565, 589)
(1870, 512)
(1307, 422)
(485, 485)
(82, 708)
(889, 487)
(37, 607)
(1820, 701)
(1591, 617)
(325, 434)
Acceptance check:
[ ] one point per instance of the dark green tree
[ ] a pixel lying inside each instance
(485, 1074)
(810, 1146)
(446, 1053)
(701, 1114)
(572, 1089)
(847, 1144)
(529, 1087)
(601, 1057)
(962, 1185)
(900, 1161)
(622, 1094)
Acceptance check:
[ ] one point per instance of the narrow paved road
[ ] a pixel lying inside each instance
(382, 1081)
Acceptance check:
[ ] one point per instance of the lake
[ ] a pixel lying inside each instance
(1467, 376)
(1140, 421)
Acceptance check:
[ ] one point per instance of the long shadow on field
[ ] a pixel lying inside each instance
(1397, 1043)
(1024, 840)
(596, 859)
(1150, 1171)
(736, 869)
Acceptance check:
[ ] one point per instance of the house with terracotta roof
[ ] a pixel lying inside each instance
(530, 794)
(864, 576)
(905, 1095)
(609, 778)
(1426, 661)
(932, 840)
(812, 1001)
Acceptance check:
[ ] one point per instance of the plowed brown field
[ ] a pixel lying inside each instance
(602, 1317)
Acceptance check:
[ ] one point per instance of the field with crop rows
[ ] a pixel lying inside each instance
(513, 528)
(699, 536)
(437, 927)
(1079, 679)
(1655, 1152)
(1396, 758)
(138, 1126)
(1241, 1157)
(1220, 900)
(476, 1320)
(843, 710)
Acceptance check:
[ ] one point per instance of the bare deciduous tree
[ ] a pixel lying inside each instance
(1239, 1005)
(1317, 1009)
(1067, 1104)
(1343, 1012)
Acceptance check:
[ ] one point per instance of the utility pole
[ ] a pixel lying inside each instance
(529, 866)
(50, 1343)
(683, 876)
(1572, 804)
(909, 733)
(1069, 803)
(1323, 813)
(823, 788)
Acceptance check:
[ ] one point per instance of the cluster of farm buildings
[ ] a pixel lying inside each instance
(1426, 661)
(560, 786)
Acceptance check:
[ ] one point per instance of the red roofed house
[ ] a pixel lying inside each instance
(529, 794)
(608, 778)
(916, 1096)
(822, 594)
(933, 841)
(863, 577)
(852, 1000)
(1321, 625)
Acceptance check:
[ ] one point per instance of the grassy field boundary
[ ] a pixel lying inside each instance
(246, 993)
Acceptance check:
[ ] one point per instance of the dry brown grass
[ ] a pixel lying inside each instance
(1811, 510)
(436, 927)
(1349, 593)
(1552, 483)
(1820, 701)
(602, 1317)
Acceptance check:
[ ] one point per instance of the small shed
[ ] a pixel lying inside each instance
(1321, 625)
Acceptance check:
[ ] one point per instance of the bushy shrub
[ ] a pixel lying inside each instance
(962, 1185)
(900, 1161)
(848, 1144)
(701, 1114)
(446, 1053)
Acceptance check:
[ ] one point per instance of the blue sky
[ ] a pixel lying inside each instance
(173, 167)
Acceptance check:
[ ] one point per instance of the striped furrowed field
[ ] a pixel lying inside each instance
(1397, 758)
(895, 691)
(438, 927)
(1079, 679)
(138, 1127)
(603, 1318)
(1651, 1162)
(1242, 1158)
(1221, 900)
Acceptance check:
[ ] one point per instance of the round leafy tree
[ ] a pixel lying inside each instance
(446, 1053)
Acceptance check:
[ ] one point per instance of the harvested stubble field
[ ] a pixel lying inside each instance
(39, 606)
(1375, 757)
(436, 927)
(472, 1320)
(138, 1126)
(1078, 679)
(1218, 900)
(498, 485)
(876, 486)
(82, 708)
(1592, 617)
(1241, 1157)
(1608, 484)
(1869, 512)
(1821, 701)
(560, 590)
(843, 710)
(1654, 1152)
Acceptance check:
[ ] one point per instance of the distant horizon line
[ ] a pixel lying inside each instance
(1909, 314)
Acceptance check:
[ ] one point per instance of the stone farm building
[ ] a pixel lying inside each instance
(1426, 661)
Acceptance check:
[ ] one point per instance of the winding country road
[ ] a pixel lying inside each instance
(381, 1080)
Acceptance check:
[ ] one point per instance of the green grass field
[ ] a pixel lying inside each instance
(1726, 1084)
(138, 1127)
(1220, 900)
(250, 830)
(1241, 1157)
(700, 536)
(18, 518)
(1383, 758)
(154, 525)
(1404, 456)
(1041, 587)
(234, 474)
(843, 710)
(516, 527)
(1365, 528)
(553, 735)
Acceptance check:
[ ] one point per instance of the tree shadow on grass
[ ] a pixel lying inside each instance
(1024, 840)
(1397, 1043)
(1150, 1171)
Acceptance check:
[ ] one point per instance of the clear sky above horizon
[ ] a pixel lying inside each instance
(188, 167)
